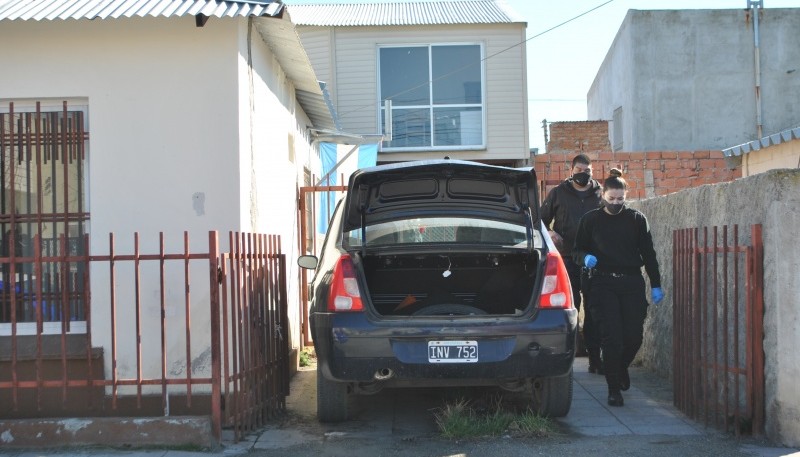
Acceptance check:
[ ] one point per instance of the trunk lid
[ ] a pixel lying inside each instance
(441, 188)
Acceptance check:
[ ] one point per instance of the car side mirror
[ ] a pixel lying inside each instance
(309, 262)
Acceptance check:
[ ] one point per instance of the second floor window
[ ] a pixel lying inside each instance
(437, 96)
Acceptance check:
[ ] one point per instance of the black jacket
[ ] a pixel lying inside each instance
(622, 243)
(564, 207)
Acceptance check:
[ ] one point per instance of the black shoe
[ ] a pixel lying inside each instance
(615, 399)
(624, 380)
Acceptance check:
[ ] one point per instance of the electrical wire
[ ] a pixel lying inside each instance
(359, 108)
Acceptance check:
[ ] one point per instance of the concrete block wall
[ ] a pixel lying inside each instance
(771, 199)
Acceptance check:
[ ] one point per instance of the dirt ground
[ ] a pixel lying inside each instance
(401, 423)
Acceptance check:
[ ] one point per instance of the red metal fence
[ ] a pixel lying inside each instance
(241, 345)
(718, 328)
(255, 323)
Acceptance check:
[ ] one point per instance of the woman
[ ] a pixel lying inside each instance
(615, 242)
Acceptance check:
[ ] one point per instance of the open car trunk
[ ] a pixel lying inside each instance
(451, 284)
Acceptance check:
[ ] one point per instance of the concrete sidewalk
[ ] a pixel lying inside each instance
(404, 415)
(643, 413)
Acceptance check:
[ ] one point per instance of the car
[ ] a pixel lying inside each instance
(440, 273)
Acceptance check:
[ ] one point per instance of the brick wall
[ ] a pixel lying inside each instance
(583, 136)
(649, 174)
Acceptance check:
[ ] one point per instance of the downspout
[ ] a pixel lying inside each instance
(252, 109)
(755, 6)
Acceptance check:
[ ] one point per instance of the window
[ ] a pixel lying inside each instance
(617, 128)
(43, 171)
(441, 230)
(437, 96)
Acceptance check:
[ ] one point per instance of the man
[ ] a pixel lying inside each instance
(563, 207)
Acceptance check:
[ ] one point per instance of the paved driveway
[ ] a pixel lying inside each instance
(400, 423)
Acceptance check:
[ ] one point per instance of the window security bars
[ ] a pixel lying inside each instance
(42, 169)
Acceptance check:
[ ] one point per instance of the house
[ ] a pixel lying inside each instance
(450, 76)
(781, 150)
(699, 79)
(135, 119)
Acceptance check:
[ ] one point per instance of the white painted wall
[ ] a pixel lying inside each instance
(272, 169)
(354, 58)
(171, 148)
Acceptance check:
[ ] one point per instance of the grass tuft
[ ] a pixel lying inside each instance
(461, 419)
(307, 356)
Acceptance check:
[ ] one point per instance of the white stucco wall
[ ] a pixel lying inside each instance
(272, 169)
(172, 146)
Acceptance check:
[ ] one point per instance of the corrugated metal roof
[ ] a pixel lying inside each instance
(40, 10)
(408, 13)
(771, 140)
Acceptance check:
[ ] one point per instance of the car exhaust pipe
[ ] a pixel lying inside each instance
(383, 374)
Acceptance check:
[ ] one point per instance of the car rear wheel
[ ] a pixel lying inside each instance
(552, 397)
(331, 399)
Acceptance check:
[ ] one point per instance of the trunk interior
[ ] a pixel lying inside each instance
(453, 284)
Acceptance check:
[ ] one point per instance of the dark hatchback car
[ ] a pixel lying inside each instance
(440, 273)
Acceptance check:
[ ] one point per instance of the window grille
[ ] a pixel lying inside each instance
(43, 152)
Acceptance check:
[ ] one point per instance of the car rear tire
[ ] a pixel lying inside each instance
(552, 397)
(331, 399)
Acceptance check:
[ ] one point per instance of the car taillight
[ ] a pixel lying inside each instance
(344, 294)
(556, 288)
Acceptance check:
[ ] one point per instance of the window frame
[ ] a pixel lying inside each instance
(431, 106)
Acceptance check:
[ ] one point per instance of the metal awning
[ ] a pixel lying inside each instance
(755, 145)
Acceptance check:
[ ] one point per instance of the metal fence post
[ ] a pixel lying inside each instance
(213, 265)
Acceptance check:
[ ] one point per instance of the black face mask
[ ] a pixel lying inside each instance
(581, 179)
(614, 208)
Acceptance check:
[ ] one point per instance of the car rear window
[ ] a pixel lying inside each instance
(448, 230)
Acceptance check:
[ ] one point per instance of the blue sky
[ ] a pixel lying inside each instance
(562, 63)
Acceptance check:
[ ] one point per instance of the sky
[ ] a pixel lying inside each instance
(563, 62)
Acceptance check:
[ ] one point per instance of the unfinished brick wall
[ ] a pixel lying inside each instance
(582, 136)
(649, 174)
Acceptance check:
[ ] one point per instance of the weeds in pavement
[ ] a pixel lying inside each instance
(461, 419)
(307, 356)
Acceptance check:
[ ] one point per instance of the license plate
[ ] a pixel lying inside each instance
(452, 351)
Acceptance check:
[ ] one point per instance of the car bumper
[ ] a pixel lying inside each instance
(352, 347)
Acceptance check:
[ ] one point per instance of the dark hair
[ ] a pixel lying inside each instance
(581, 158)
(615, 180)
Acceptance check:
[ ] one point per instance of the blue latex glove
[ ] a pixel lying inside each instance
(590, 261)
(657, 295)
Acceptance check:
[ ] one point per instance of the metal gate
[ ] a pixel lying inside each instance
(718, 327)
(255, 324)
(308, 214)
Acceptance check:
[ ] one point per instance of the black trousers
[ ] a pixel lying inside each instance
(578, 280)
(619, 308)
